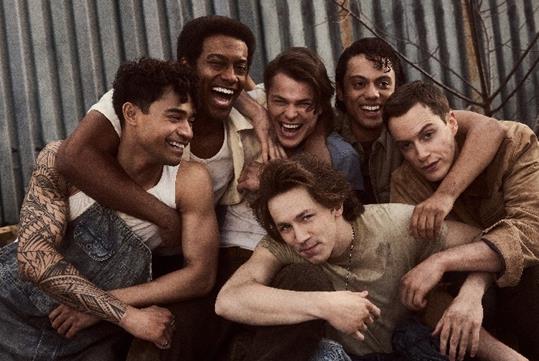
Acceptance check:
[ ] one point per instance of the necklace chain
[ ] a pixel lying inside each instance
(349, 266)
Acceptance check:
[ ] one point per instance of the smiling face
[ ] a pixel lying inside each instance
(364, 90)
(426, 141)
(222, 69)
(311, 229)
(165, 129)
(292, 110)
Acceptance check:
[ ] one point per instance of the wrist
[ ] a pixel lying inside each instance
(320, 302)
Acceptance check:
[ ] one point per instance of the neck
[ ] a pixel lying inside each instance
(344, 238)
(364, 134)
(137, 164)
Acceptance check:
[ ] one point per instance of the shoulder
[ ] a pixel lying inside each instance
(193, 181)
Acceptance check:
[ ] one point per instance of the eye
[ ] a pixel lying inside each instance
(217, 64)
(427, 135)
(285, 228)
(405, 146)
(307, 217)
(358, 84)
(241, 69)
(307, 106)
(384, 84)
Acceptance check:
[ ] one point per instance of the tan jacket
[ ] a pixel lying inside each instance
(503, 200)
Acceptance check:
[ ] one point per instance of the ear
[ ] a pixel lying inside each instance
(183, 61)
(452, 122)
(337, 212)
(130, 111)
(339, 92)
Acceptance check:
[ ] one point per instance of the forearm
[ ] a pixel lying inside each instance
(476, 153)
(256, 304)
(475, 256)
(475, 286)
(186, 283)
(104, 180)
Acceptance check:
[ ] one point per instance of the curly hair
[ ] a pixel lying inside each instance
(303, 65)
(325, 185)
(408, 95)
(193, 34)
(376, 50)
(145, 80)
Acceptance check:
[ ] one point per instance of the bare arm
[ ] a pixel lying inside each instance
(42, 224)
(87, 160)
(461, 254)
(476, 154)
(247, 298)
(194, 198)
(251, 109)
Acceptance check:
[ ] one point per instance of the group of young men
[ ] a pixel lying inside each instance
(120, 228)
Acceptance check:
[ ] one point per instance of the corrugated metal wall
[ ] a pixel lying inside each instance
(58, 56)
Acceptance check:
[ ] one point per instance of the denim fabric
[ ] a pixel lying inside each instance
(101, 246)
(329, 350)
(346, 160)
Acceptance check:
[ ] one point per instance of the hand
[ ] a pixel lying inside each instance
(429, 215)
(316, 144)
(67, 321)
(250, 177)
(154, 324)
(170, 229)
(460, 325)
(417, 283)
(269, 145)
(351, 312)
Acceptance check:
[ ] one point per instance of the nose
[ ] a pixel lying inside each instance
(371, 92)
(422, 152)
(229, 75)
(185, 131)
(301, 234)
(290, 112)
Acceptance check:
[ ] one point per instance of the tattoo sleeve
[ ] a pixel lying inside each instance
(43, 220)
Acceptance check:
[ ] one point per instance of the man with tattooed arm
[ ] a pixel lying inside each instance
(58, 284)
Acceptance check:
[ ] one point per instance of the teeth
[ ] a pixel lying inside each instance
(223, 90)
(290, 126)
(371, 108)
(177, 144)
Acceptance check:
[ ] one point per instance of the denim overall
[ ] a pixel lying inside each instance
(105, 251)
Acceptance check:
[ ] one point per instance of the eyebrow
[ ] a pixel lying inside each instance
(278, 97)
(225, 58)
(299, 216)
(176, 111)
(420, 131)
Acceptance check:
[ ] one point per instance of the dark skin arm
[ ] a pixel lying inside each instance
(94, 145)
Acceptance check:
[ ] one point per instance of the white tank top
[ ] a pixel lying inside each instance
(220, 167)
(164, 190)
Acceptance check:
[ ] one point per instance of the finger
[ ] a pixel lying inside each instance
(430, 219)
(419, 299)
(64, 327)
(438, 225)
(264, 150)
(421, 226)
(281, 152)
(72, 332)
(54, 313)
(453, 344)
(475, 341)
(358, 336)
(463, 343)
(369, 320)
(59, 320)
(374, 311)
(444, 337)
(438, 327)
(414, 221)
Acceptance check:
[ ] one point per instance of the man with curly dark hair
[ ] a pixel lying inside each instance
(59, 288)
